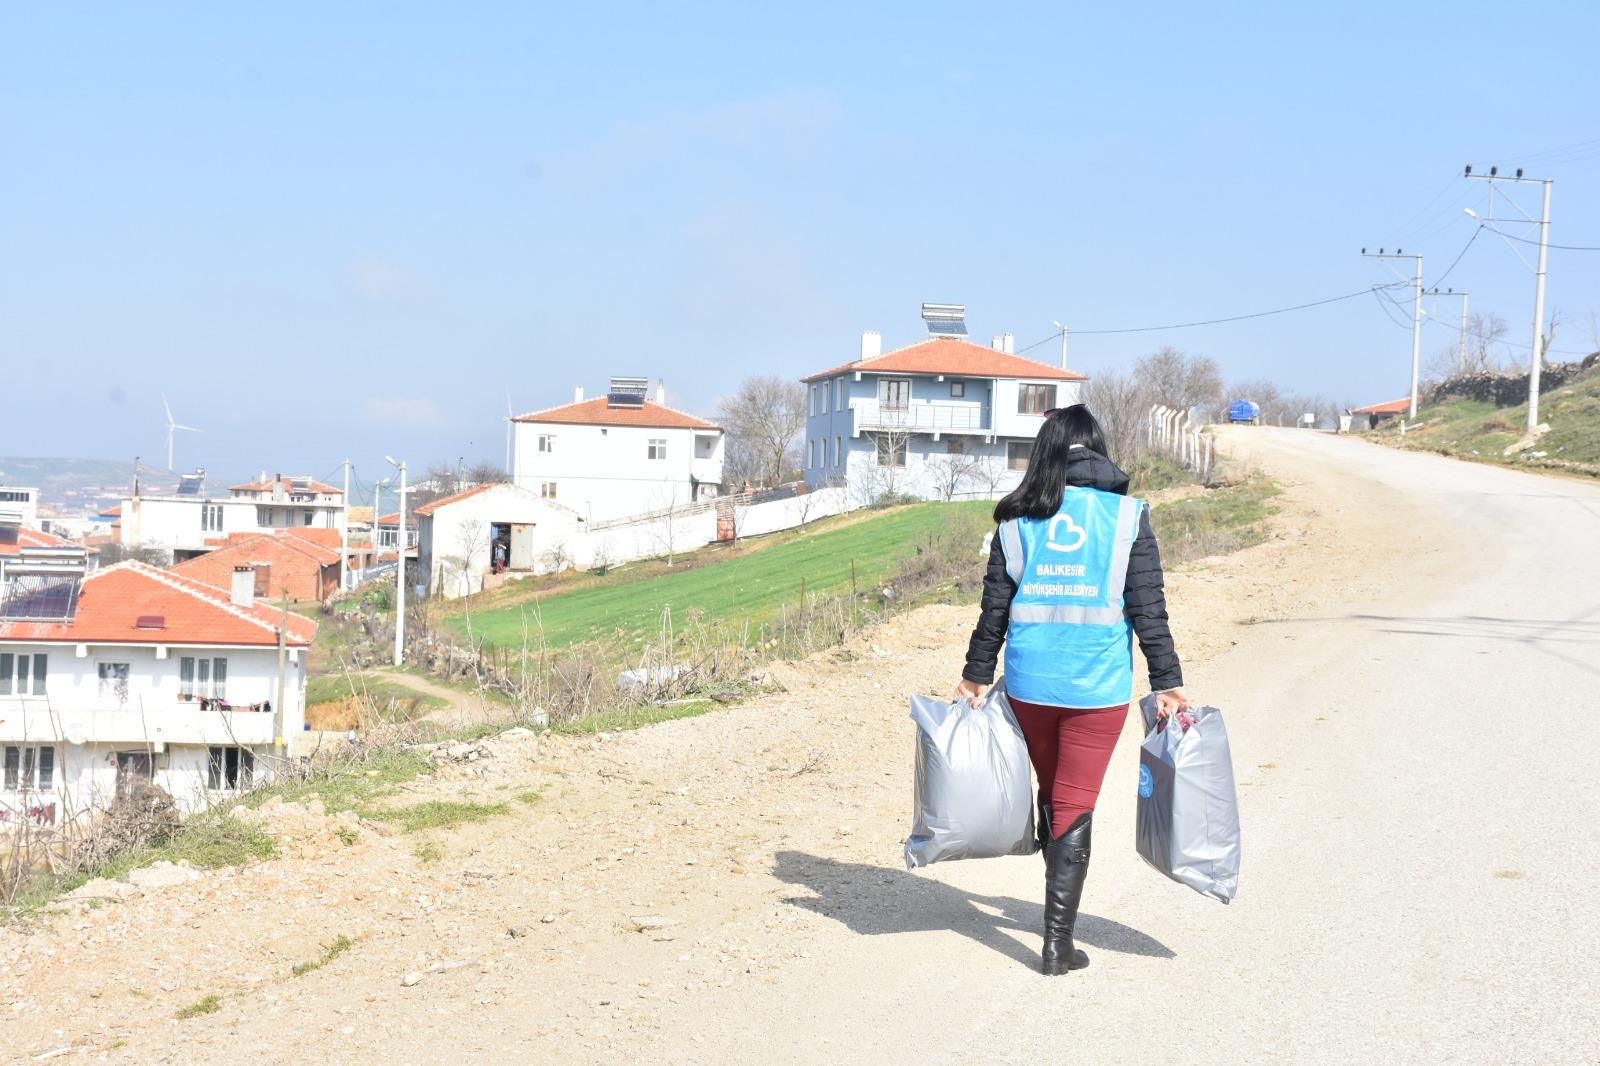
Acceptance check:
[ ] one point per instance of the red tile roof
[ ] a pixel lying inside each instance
(434, 505)
(112, 600)
(955, 358)
(1393, 407)
(33, 538)
(597, 412)
(390, 519)
(327, 539)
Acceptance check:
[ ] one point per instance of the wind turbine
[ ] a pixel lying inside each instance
(172, 424)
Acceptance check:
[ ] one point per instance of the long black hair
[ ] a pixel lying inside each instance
(1039, 494)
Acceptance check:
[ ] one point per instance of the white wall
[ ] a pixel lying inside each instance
(87, 727)
(173, 523)
(454, 549)
(605, 472)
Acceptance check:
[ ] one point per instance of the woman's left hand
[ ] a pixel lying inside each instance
(970, 691)
(1168, 702)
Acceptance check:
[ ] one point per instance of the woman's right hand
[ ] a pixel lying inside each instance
(970, 691)
(1170, 701)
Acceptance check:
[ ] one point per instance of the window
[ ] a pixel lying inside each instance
(658, 449)
(958, 389)
(1035, 399)
(891, 450)
(211, 517)
(895, 393)
(201, 678)
(113, 681)
(956, 445)
(547, 490)
(836, 442)
(838, 394)
(22, 675)
(310, 516)
(827, 396)
(547, 442)
(230, 768)
(263, 516)
(811, 454)
(29, 768)
(811, 401)
(1017, 454)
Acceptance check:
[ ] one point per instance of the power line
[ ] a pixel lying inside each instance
(1529, 240)
(1381, 298)
(1214, 321)
(1458, 257)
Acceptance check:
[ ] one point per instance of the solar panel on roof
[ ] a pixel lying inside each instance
(627, 392)
(40, 597)
(945, 320)
(944, 327)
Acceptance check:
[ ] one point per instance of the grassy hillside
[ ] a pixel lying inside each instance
(747, 588)
(1471, 429)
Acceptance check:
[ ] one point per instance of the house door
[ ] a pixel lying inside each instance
(522, 545)
(135, 773)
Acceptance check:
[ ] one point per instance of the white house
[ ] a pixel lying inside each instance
(939, 419)
(192, 522)
(20, 505)
(617, 455)
(131, 677)
(492, 532)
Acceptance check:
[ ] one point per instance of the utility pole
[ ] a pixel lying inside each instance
(1536, 360)
(400, 571)
(1462, 346)
(1063, 330)
(283, 670)
(1416, 313)
(344, 534)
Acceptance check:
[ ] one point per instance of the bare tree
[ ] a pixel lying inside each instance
(763, 421)
(886, 478)
(1121, 404)
(991, 473)
(1484, 350)
(1548, 339)
(951, 471)
(1179, 381)
(472, 541)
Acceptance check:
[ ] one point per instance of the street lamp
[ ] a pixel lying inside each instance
(400, 568)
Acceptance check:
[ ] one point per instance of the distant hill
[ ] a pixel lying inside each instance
(84, 486)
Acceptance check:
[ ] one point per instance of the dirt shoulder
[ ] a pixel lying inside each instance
(633, 884)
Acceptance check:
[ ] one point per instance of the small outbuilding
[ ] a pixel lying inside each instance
(490, 534)
(1374, 415)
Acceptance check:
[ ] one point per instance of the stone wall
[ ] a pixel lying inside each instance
(1508, 390)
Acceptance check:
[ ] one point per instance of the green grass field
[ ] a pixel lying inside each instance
(1472, 429)
(748, 588)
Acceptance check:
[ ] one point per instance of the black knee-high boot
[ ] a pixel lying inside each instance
(1066, 864)
(1041, 827)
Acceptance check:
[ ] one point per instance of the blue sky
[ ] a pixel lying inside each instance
(330, 230)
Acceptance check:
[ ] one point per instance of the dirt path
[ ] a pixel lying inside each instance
(731, 885)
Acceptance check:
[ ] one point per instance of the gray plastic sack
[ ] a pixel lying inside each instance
(974, 784)
(1188, 818)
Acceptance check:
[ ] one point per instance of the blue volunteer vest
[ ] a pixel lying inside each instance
(1068, 643)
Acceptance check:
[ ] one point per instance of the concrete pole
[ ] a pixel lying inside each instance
(1416, 333)
(400, 577)
(344, 534)
(1463, 362)
(1536, 364)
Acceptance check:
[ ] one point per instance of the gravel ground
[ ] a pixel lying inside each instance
(1393, 663)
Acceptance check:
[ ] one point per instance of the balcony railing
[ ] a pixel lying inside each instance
(919, 417)
(184, 723)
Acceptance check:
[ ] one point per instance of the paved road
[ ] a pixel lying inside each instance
(1420, 828)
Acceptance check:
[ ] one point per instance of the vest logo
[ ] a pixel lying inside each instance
(1074, 533)
(1147, 783)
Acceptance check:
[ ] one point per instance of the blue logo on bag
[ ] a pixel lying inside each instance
(1147, 783)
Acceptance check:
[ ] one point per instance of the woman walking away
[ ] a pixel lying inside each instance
(1074, 571)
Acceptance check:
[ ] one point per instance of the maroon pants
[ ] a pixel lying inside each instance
(1070, 750)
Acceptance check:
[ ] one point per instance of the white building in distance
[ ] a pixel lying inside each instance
(193, 521)
(617, 455)
(939, 419)
(20, 505)
(489, 532)
(130, 678)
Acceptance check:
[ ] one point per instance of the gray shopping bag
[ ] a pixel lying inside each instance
(1187, 824)
(974, 784)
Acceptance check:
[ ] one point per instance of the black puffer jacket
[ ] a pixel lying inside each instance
(1144, 600)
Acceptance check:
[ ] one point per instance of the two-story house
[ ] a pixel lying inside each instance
(617, 455)
(130, 677)
(193, 521)
(943, 418)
